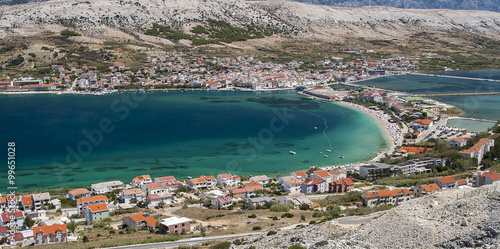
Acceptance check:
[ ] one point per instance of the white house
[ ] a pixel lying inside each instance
(226, 180)
(106, 187)
(262, 179)
(134, 193)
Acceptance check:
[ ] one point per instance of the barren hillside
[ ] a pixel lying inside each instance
(286, 18)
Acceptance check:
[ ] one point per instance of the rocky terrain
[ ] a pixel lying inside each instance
(287, 18)
(451, 219)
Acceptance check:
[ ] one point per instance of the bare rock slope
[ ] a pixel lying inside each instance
(450, 219)
(285, 17)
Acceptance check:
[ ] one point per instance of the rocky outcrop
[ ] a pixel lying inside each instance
(286, 18)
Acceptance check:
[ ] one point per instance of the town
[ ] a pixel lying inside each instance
(153, 205)
(177, 72)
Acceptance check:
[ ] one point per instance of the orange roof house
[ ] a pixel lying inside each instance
(48, 230)
(138, 220)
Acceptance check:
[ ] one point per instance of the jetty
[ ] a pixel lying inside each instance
(455, 77)
(455, 94)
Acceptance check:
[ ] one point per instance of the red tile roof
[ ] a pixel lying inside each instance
(253, 184)
(46, 230)
(79, 191)
(27, 201)
(140, 217)
(224, 176)
(98, 207)
(447, 179)
(6, 216)
(166, 178)
(430, 187)
(322, 173)
(91, 198)
(493, 175)
(461, 182)
(300, 173)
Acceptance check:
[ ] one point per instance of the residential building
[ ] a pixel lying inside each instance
(141, 180)
(228, 180)
(456, 142)
(139, 220)
(316, 185)
(96, 212)
(175, 225)
(336, 175)
(27, 203)
(203, 182)
(16, 217)
(153, 189)
(368, 171)
(390, 197)
(481, 178)
(293, 186)
(77, 193)
(238, 193)
(106, 187)
(421, 123)
(419, 166)
(428, 189)
(284, 179)
(491, 177)
(168, 183)
(50, 234)
(39, 200)
(155, 199)
(262, 179)
(461, 183)
(445, 182)
(341, 186)
(478, 150)
(134, 194)
(222, 202)
(300, 175)
(321, 174)
(83, 202)
(294, 200)
(259, 201)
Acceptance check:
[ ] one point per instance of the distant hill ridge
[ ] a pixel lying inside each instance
(490, 5)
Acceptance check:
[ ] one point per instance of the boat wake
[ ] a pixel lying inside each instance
(324, 130)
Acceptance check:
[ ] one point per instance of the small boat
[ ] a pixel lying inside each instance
(326, 156)
(315, 127)
(329, 150)
(341, 157)
(293, 152)
(320, 152)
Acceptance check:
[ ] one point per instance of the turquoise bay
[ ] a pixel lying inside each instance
(178, 133)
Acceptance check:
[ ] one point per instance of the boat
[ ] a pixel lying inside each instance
(326, 156)
(341, 157)
(293, 152)
(320, 152)
(315, 127)
(329, 150)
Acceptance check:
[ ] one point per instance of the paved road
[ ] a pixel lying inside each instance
(354, 220)
(192, 241)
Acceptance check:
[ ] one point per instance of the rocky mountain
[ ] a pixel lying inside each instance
(491, 5)
(461, 218)
(286, 18)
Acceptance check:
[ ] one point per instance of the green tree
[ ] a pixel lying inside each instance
(28, 221)
(72, 226)
(203, 231)
(333, 211)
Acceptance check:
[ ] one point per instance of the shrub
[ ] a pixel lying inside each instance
(69, 33)
(271, 233)
(280, 208)
(112, 232)
(224, 245)
(312, 222)
(252, 216)
(255, 228)
(287, 215)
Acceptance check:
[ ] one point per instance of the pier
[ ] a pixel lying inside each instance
(455, 77)
(455, 94)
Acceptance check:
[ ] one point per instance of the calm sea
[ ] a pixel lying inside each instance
(76, 140)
